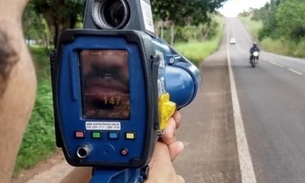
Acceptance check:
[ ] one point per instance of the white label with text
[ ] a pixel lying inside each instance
(90, 125)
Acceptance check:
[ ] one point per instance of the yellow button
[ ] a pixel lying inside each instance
(130, 136)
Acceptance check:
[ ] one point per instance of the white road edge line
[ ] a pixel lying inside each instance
(276, 64)
(296, 72)
(245, 161)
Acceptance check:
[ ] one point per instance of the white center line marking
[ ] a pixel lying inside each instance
(245, 161)
(296, 72)
(274, 63)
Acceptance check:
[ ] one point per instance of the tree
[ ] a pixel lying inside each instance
(291, 19)
(35, 27)
(185, 12)
(267, 15)
(65, 14)
(59, 14)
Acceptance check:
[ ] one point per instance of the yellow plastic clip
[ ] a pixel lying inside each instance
(166, 110)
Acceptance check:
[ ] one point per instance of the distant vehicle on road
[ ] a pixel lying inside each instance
(232, 40)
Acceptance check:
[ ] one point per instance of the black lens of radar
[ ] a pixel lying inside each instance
(115, 13)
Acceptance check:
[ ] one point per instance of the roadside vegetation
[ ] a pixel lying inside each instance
(194, 36)
(197, 50)
(279, 26)
(253, 26)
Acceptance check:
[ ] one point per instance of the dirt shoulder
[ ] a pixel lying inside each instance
(51, 170)
(207, 128)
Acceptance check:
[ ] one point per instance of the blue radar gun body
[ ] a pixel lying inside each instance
(109, 87)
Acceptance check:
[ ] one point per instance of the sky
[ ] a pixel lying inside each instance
(232, 7)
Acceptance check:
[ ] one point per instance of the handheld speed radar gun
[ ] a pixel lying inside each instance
(115, 85)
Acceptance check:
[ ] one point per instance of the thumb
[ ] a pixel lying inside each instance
(175, 149)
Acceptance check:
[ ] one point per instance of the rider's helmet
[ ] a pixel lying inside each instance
(254, 44)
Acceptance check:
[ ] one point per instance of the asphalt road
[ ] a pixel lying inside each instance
(272, 108)
(272, 102)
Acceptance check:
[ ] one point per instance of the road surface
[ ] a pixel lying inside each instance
(272, 102)
(271, 99)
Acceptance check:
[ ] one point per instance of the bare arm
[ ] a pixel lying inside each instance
(17, 90)
(17, 85)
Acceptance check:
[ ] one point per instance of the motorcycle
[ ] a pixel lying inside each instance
(254, 58)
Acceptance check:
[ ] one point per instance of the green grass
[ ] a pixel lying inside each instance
(274, 46)
(284, 47)
(39, 140)
(197, 51)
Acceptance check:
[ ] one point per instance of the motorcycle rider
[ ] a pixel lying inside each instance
(253, 49)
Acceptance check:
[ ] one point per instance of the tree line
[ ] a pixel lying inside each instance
(43, 20)
(282, 20)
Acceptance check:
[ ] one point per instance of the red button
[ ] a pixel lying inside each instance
(79, 134)
(124, 152)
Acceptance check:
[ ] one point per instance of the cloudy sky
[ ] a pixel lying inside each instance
(233, 7)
